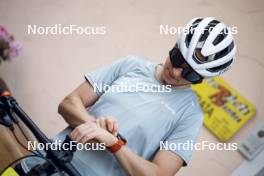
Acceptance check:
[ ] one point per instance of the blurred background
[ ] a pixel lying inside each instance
(50, 66)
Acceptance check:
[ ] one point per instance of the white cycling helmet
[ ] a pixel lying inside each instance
(207, 45)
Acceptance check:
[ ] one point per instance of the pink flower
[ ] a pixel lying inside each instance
(10, 47)
(15, 48)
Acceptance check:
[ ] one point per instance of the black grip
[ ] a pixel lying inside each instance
(68, 140)
(68, 167)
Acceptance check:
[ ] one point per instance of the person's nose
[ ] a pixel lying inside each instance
(177, 73)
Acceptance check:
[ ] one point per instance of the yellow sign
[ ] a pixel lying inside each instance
(225, 110)
(10, 172)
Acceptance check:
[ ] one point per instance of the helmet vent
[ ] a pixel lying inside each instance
(220, 37)
(191, 31)
(221, 67)
(212, 24)
(225, 51)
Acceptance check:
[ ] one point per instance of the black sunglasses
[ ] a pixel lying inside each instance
(188, 73)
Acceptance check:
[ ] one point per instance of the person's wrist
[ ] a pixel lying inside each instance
(121, 141)
(113, 140)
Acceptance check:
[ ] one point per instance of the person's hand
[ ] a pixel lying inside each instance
(92, 131)
(108, 123)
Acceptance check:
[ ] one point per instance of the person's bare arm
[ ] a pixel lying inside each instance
(165, 163)
(73, 106)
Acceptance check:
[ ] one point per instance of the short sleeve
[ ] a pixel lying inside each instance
(184, 135)
(108, 74)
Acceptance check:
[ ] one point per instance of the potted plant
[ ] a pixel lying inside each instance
(9, 48)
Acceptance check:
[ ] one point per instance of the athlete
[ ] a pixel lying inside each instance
(151, 105)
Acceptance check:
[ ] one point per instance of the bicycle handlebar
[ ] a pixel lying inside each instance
(61, 158)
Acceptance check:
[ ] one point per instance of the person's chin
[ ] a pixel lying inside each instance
(166, 79)
(169, 81)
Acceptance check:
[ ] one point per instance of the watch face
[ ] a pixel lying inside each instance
(119, 136)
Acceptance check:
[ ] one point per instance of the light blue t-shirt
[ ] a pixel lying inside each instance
(145, 118)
